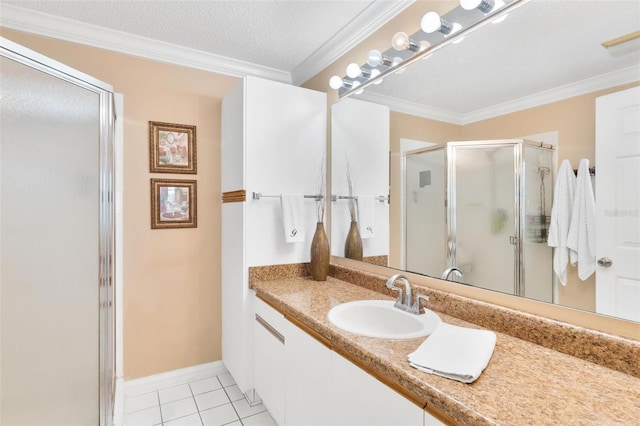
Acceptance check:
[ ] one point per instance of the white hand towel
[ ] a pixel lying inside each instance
(563, 195)
(457, 353)
(582, 232)
(293, 218)
(367, 217)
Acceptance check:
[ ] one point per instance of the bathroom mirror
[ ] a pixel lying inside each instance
(523, 92)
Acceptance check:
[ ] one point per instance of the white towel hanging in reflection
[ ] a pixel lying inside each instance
(582, 232)
(293, 219)
(563, 195)
(367, 217)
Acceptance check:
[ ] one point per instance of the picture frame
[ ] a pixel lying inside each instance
(172, 148)
(174, 204)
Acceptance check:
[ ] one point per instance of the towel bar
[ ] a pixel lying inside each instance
(258, 195)
(334, 197)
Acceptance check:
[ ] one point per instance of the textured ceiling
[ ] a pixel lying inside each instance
(277, 34)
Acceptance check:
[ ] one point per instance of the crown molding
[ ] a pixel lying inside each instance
(604, 81)
(413, 108)
(47, 25)
(365, 24)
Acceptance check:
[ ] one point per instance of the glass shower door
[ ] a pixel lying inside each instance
(483, 220)
(55, 243)
(425, 221)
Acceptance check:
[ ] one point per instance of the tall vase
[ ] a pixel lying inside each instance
(353, 243)
(320, 254)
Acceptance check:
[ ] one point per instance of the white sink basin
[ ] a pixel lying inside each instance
(379, 318)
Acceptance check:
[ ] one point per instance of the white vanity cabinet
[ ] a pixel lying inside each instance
(292, 370)
(303, 382)
(269, 359)
(360, 399)
(307, 380)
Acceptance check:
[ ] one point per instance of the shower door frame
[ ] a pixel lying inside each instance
(106, 225)
(451, 194)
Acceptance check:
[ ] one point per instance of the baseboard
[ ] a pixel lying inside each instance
(118, 403)
(173, 378)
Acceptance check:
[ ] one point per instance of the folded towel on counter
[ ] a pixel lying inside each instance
(457, 353)
(293, 218)
(367, 217)
(563, 195)
(582, 232)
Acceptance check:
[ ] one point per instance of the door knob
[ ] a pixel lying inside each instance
(605, 262)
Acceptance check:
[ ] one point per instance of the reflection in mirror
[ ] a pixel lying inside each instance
(488, 206)
(473, 136)
(360, 181)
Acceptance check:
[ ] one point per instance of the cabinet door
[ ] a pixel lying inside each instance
(308, 380)
(360, 399)
(269, 360)
(430, 420)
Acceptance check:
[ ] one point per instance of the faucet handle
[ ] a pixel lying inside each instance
(391, 286)
(417, 309)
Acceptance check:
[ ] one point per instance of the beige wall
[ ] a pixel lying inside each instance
(171, 277)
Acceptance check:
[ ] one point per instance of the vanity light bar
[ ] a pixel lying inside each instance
(455, 25)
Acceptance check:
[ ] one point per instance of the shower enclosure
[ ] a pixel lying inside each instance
(56, 240)
(482, 207)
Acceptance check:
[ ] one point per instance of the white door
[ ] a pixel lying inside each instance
(618, 204)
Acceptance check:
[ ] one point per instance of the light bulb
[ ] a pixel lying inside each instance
(400, 41)
(454, 29)
(432, 22)
(424, 45)
(374, 58)
(485, 6)
(355, 85)
(353, 70)
(335, 82)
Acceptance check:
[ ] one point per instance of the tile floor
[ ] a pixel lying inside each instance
(214, 401)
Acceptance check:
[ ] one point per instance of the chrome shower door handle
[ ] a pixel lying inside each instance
(605, 262)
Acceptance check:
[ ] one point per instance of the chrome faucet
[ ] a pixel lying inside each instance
(448, 271)
(404, 301)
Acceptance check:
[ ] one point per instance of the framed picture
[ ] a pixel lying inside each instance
(173, 203)
(172, 148)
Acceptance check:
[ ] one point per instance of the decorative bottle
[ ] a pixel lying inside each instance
(353, 243)
(320, 254)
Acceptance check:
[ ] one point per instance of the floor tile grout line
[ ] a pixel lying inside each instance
(195, 401)
(159, 406)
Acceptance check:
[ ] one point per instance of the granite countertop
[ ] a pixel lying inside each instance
(524, 383)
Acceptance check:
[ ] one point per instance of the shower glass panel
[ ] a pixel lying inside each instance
(483, 222)
(425, 189)
(538, 190)
(55, 240)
